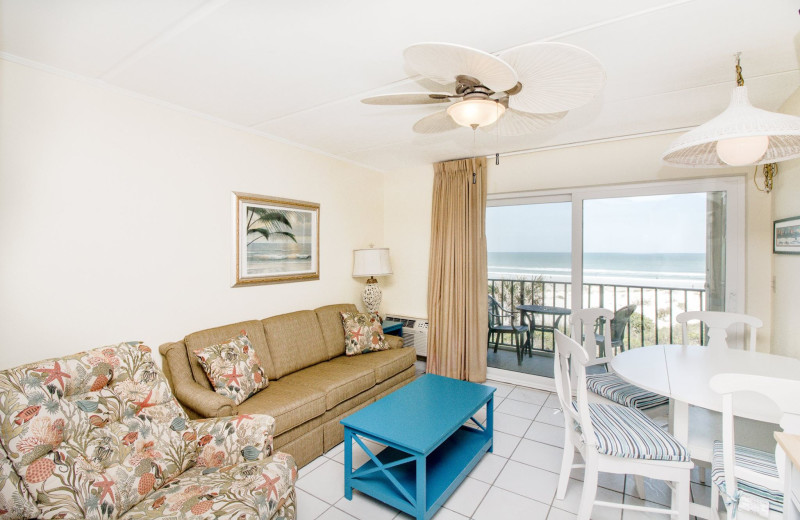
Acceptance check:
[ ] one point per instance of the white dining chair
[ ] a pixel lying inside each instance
(707, 424)
(738, 471)
(608, 385)
(718, 324)
(613, 438)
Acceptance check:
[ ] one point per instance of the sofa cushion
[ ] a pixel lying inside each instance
(338, 381)
(330, 321)
(204, 338)
(295, 341)
(363, 333)
(16, 503)
(223, 441)
(233, 368)
(385, 364)
(259, 489)
(290, 403)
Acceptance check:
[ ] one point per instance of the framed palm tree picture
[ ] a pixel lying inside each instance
(276, 240)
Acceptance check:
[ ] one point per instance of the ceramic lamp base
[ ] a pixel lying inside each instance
(372, 296)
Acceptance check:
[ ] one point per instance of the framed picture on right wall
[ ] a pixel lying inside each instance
(786, 236)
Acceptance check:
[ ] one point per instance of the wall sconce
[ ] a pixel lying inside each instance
(770, 171)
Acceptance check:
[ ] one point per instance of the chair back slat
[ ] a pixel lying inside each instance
(570, 365)
(583, 326)
(718, 324)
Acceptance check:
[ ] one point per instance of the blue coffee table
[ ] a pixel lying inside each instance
(430, 450)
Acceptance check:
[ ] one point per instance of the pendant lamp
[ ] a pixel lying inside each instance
(741, 135)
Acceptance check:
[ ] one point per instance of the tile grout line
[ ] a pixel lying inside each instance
(492, 484)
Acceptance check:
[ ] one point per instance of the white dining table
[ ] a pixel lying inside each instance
(682, 372)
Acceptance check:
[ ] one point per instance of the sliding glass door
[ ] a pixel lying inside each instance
(530, 264)
(647, 252)
(649, 258)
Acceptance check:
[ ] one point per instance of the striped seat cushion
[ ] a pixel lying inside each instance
(755, 460)
(621, 431)
(613, 388)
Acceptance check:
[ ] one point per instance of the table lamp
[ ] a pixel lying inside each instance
(371, 262)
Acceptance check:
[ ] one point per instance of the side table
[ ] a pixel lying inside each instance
(394, 328)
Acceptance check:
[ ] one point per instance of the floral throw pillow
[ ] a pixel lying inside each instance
(362, 333)
(233, 368)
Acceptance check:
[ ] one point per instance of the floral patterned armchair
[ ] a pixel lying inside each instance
(99, 435)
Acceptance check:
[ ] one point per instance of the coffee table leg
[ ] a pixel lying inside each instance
(348, 463)
(422, 486)
(490, 421)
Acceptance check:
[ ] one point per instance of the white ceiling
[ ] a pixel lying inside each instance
(297, 69)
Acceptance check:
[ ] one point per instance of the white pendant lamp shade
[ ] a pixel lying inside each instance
(741, 135)
(476, 112)
(371, 262)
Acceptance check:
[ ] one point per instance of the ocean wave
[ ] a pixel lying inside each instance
(298, 256)
(598, 272)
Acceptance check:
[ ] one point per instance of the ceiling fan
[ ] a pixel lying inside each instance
(515, 93)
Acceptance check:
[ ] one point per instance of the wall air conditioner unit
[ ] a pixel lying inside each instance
(415, 333)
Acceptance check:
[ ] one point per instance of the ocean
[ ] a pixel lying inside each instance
(278, 257)
(685, 270)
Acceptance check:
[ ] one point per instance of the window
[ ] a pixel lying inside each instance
(646, 251)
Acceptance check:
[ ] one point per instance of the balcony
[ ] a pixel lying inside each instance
(652, 323)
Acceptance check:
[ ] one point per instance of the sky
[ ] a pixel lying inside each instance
(650, 224)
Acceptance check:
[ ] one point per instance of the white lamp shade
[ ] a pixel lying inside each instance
(740, 121)
(371, 262)
(477, 112)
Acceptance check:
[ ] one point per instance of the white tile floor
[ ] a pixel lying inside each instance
(517, 481)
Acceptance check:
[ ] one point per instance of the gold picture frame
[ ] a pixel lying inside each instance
(275, 240)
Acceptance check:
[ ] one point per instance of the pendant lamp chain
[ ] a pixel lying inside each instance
(770, 170)
(739, 78)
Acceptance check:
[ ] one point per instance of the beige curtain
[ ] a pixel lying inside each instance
(457, 278)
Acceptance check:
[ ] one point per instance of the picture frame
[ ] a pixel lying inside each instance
(275, 240)
(786, 236)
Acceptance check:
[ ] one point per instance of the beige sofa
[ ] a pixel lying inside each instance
(312, 384)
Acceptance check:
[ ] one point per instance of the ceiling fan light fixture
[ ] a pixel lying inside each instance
(476, 112)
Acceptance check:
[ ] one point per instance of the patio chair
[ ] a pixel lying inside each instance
(617, 327)
(497, 326)
(737, 471)
(613, 439)
(718, 324)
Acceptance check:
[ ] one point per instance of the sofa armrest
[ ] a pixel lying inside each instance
(224, 441)
(394, 341)
(199, 400)
(204, 402)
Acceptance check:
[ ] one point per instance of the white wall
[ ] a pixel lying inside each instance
(625, 161)
(115, 218)
(407, 223)
(786, 268)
